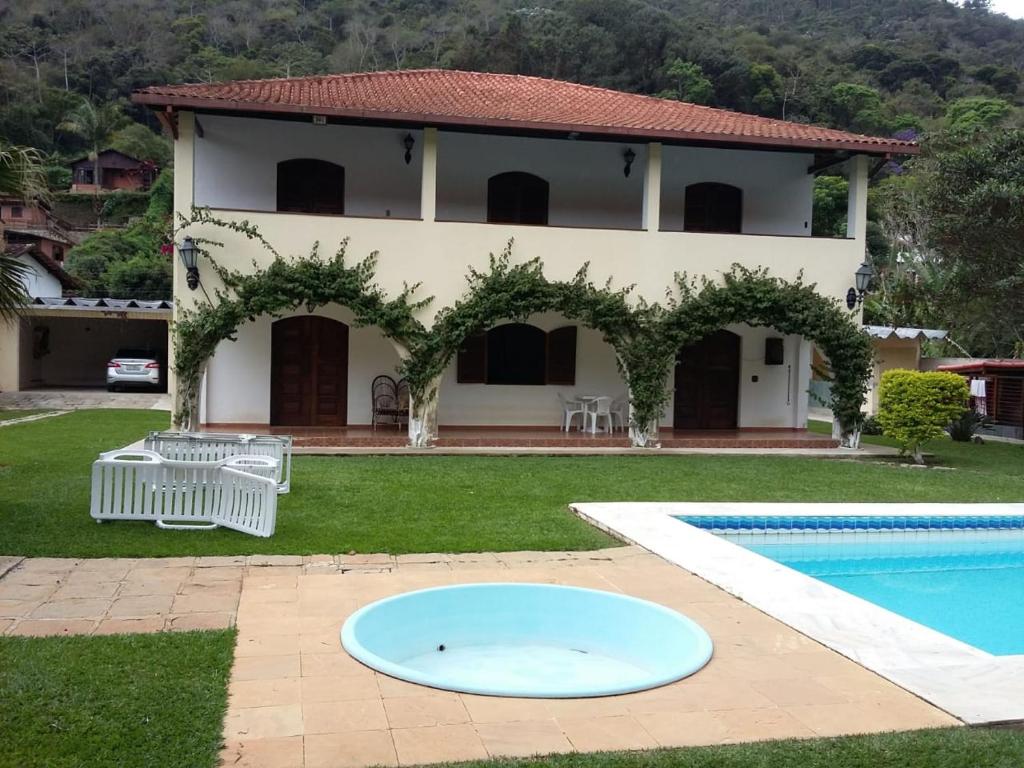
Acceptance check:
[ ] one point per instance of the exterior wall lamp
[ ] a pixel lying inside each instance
(408, 143)
(629, 156)
(862, 279)
(189, 253)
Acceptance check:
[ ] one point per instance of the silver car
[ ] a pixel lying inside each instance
(134, 368)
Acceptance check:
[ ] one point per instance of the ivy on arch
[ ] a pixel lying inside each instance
(754, 297)
(509, 291)
(283, 285)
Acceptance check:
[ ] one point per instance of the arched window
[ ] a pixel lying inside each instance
(517, 198)
(713, 207)
(305, 185)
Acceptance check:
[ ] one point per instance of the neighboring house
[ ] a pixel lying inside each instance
(33, 224)
(46, 277)
(997, 390)
(895, 348)
(437, 169)
(116, 171)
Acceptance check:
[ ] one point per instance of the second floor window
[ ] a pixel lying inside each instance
(517, 198)
(305, 185)
(713, 207)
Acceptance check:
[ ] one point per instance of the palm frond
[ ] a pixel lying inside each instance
(13, 296)
(22, 173)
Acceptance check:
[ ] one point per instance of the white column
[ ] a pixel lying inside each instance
(857, 202)
(428, 179)
(652, 188)
(184, 193)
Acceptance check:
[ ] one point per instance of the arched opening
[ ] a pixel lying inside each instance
(309, 372)
(713, 207)
(305, 185)
(517, 198)
(707, 383)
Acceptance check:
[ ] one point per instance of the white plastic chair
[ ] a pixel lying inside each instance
(238, 492)
(571, 408)
(620, 411)
(212, 446)
(602, 409)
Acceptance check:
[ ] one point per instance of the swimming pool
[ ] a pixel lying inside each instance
(526, 640)
(960, 575)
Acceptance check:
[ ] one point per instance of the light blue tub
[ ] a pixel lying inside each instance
(526, 640)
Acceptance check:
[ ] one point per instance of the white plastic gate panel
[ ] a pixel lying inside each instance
(213, 446)
(238, 493)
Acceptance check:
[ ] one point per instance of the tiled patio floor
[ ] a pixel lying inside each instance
(296, 698)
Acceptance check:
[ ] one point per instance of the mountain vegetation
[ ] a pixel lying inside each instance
(948, 74)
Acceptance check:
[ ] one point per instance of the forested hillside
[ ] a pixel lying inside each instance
(945, 73)
(902, 61)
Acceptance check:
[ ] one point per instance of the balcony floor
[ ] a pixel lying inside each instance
(539, 438)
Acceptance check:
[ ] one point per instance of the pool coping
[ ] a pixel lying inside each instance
(968, 683)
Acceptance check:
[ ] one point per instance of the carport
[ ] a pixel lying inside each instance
(66, 342)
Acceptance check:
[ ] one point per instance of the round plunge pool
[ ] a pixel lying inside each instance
(526, 640)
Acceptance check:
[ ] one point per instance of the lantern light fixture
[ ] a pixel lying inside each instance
(628, 156)
(408, 142)
(862, 281)
(189, 253)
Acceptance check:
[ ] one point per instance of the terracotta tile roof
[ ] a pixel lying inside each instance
(449, 97)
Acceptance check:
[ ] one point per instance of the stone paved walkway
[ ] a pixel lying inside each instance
(296, 699)
(74, 399)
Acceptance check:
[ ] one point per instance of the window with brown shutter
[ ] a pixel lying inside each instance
(713, 207)
(471, 363)
(518, 353)
(305, 185)
(517, 198)
(562, 356)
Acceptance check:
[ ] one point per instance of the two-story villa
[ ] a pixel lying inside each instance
(435, 170)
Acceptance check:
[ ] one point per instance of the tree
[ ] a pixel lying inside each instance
(96, 124)
(916, 407)
(976, 112)
(858, 108)
(690, 83)
(974, 201)
(138, 141)
(831, 194)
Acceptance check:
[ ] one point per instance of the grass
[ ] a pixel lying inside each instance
(404, 504)
(942, 748)
(119, 700)
(6, 414)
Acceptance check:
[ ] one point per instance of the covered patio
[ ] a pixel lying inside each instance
(540, 438)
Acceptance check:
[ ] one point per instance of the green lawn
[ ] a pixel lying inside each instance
(122, 700)
(447, 503)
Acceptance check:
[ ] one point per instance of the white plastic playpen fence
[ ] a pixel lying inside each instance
(211, 446)
(239, 492)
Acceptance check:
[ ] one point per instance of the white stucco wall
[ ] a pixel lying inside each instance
(532, 405)
(777, 190)
(238, 379)
(39, 282)
(587, 187)
(236, 164)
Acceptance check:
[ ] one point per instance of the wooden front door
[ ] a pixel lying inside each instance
(708, 383)
(309, 372)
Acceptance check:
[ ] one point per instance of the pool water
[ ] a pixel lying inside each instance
(968, 584)
(526, 640)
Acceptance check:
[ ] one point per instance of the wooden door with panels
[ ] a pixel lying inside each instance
(708, 383)
(309, 372)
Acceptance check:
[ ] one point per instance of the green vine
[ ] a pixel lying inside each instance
(646, 337)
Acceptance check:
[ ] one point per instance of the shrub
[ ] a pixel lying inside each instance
(871, 426)
(963, 429)
(916, 407)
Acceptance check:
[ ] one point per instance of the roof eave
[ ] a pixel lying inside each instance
(189, 102)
